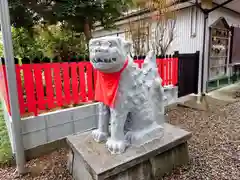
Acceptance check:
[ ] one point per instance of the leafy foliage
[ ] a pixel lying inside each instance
(21, 16)
(50, 41)
(1, 46)
(78, 15)
(5, 146)
(1, 50)
(160, 7)
(56, 28)
(24, 45)
(60, 41)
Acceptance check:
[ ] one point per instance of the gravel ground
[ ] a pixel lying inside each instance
(48, 167)
(214, 147)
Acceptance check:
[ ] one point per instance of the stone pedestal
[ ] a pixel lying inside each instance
(89, 160)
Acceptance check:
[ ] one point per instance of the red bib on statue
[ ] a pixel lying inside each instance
(107, 86)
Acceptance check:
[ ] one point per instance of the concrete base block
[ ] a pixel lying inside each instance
(89, 160)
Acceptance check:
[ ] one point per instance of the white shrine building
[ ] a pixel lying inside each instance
(223, 33)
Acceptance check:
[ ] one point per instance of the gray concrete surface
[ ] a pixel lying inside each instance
(47, 128)
(226, 93)
(42, 131)
(89, 160)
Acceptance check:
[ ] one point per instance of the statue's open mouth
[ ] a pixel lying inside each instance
(104, 60)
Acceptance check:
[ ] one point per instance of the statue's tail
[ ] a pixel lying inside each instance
(157, 99)
(156, 91)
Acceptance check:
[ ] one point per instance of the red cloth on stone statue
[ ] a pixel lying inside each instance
(107, 86)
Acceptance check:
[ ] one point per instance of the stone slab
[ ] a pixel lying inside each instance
(92, 161)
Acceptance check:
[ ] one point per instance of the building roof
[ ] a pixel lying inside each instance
(233, 5)
(138, 11)
(220, 22)
(141, 11)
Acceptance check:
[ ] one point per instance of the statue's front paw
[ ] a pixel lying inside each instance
(116, 147)
(99, 136)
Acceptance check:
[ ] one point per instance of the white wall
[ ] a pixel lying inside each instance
(189, 28)
(119, 31)
(184, 41)
(188, 32)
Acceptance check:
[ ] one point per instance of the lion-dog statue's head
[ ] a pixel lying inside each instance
(108, 54)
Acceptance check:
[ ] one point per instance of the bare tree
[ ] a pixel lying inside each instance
(163, 36)
(164, 23)
(138, 33)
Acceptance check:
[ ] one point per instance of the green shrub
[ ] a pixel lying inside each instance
(5, 146)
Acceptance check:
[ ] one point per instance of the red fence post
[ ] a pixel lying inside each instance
(81, 68)
(175, 68)
(169, 73)
(66, 83)
(58, 83)
(49, 85)
(29, 88)
(39, 86)
(20, 89)
(89, 72)
(158, 67)
(95, 78)
(163, 72)
(175, 71)
(75, 97)
(166, 63)
(6, 94)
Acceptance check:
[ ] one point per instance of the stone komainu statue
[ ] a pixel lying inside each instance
(132, 99)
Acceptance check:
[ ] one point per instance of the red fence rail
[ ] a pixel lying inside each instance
(49, 85)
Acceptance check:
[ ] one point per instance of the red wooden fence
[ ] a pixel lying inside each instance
(3, 87)
(50, 85)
